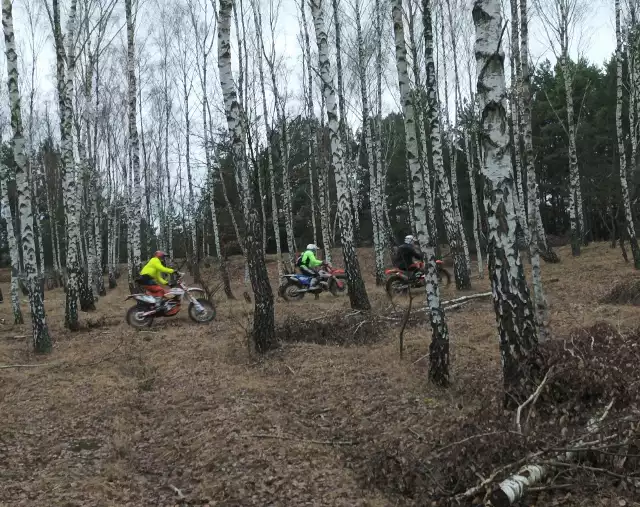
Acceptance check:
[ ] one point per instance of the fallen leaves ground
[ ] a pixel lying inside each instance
(184, 415)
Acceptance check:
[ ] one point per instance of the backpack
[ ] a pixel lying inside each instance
(299, 261)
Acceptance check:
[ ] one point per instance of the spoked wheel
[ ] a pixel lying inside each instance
(203, 315)
(291, 292)
(397, 286)
(137, 319)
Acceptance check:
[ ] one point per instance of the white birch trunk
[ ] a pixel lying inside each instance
(136, 196)
(41, 338)
(13, 247)
(516, 327)
(65, 94)
(263, 314)
(461, 270)
(575, 196)
(374, 187)
(439, 349)
(313, 140)
(631, 230)
(257, 17)
(357, 291)
(471, 169)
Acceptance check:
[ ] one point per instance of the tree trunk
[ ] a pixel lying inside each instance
(516, 327)
(65, 93)
(313, 140)
(374, 188)
(461, 271)
(263, 315)
(135, 211)
(41, 338)
(257, 17)
(439, 349)
(13, 247)
(357, 292)
(575, 199)
(631, 230)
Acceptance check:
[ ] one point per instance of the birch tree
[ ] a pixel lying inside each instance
(631, 231)
(135, 212)
(439, 349)
(560, 18)
(313, 145)
(13, 246)
(263, 315)
(512, 304)
(41, 338)
(357, 292)
(461, 271)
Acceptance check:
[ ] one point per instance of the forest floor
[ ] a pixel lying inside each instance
(183, 414)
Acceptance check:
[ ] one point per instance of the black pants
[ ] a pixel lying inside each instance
(146, 280)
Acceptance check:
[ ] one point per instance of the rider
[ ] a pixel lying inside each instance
(309, 264)
(151, 275)
(405, 255)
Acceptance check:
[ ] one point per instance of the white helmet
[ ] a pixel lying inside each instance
(312, 247)
(409, 240)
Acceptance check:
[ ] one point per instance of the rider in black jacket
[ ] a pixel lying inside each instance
(406, 254)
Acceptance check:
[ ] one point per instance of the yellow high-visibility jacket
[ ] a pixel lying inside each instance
(154, 269)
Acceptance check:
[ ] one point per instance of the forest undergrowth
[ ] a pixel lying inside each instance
(185, 415)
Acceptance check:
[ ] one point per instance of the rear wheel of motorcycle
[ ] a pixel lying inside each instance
(444, 277)
(397, 286)
(135, 318)
(289, 292)
(205, 316)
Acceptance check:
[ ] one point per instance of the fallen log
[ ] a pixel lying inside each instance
(515, 487)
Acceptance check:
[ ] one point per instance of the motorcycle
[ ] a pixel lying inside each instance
(294, 285)
(148, 307)
(399, 281)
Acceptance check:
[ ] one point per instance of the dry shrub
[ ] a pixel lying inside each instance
(335, 329)
(624, 293)
(591, 368)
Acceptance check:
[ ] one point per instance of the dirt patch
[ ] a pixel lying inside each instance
(626, 292)
(337, 328)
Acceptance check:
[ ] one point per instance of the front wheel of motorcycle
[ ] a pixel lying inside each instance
(397, 285)
(135, 318)
(444, 277)
(341, 284)
(205, 314)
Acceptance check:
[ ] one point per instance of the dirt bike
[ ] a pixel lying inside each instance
(399, 281)
(294, 285)
(148, 307)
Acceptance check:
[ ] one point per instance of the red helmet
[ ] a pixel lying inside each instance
(160, 254)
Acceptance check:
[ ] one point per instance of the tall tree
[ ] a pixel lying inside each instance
(631, 230)
(263, 314)
(135, 212)
(14, 253)
(439, 350)
(461, 271)
(357, 292)
(512, 304)
(41, 338)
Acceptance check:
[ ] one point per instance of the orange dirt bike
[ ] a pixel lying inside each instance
(148, 307)
(399, 282)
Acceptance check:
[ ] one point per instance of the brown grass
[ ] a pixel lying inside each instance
(115, 417)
